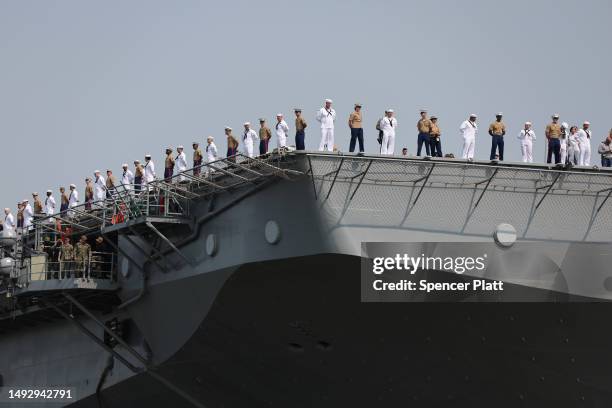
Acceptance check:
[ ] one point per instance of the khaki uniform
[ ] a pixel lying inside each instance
(553, 130)
(89, 192)
(424, 125)
(169, 161)
(197, 161)
(497, 128)
(300, 124)
(82, 251)
(38, 207)
(435, 130)
(264, 138)
(265, 133)
(66, 259)
(355, 120)
(110, 182)
(423, 138)
(197, 155)
(232, 143)
(138, 171)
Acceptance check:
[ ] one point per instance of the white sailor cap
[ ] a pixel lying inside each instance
(499, 114)
(555, 116)
(169, 148)
(136, 161)
(528, 123)
(423, 110)
(7, 209)
(195, 143)
(228, 128)
(49, 192)
(35, 194)
(109, 170)
(210, 138)
(389, 110)
(473, 115)
(279, 114)
(358, 105)
(179, 147)
(297, 109)
(246, 124)
(147, 156)
(73, 185)
(262, 120)
(25, 200)
(564, 125)
(328, 101)
(124, 165)
(96, 171)
(586, 122)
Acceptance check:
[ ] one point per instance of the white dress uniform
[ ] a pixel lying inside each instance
(73, 201)
(563, 149)
(211, 155)
(282, 130)
(50, 205)
(327, 119)
(527, 137)
(584, 137)
(248, 138)
(388, 126)
(468, 130)
(127, 179)
(28, 215)
(181, 165)
(149, 172)
(8, 226)
(573, 149)
(99, 189)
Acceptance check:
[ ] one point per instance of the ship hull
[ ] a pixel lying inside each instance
(294, 333)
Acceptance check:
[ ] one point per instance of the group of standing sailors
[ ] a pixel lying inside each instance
(565, 145)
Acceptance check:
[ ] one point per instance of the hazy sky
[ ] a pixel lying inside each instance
(87, 85)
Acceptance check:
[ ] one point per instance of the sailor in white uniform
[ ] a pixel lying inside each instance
(584, 136)
(563, 140)
(149, 170)
(181, 163)
(388, 125)
(73, 199)
(127, 177)
(28, 215)
(469, 129)
(249, 137)
(8, 227)
(49, 203)
(573, 146)
(282, 130)
(527, 137)
(211, 153)
(327, 116)
(99, 187)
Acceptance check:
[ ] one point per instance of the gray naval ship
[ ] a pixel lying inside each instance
(240, 287)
